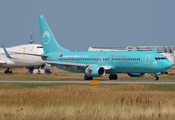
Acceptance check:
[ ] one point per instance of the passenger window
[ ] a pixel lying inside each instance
(39, 47)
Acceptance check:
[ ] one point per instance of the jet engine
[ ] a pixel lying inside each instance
(95, 71)
(136, 74)
(40, 69)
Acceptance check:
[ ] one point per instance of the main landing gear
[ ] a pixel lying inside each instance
(7, 71)
(87, 78)
(113, 77)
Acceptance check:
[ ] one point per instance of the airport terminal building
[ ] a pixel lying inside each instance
(168, 51)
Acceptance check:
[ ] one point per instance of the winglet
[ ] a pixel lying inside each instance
(155, 50)
(6, 53)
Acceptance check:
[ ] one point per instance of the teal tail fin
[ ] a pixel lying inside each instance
(49, 42)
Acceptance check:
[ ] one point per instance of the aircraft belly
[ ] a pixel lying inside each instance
(21, 63)
(71, 68)
(127, 66)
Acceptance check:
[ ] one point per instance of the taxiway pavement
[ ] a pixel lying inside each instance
(101, 81)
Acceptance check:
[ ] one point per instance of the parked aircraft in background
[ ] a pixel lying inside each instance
(23, 49)
(99, 63)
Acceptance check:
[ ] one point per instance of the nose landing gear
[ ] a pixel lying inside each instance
(156, 78)
(159, 73)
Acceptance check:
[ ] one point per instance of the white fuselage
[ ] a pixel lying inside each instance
(28, 59)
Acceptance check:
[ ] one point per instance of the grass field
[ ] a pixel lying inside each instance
(26, 101)
(55, 101)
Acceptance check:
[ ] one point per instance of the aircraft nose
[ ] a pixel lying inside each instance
(168, 64)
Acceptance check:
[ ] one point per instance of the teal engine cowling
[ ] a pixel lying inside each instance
(95, 71)
(136, 74)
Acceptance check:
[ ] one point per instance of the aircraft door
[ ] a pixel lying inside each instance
(147, 60)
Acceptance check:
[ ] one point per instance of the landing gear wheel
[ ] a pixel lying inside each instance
(113, 77)
(110, 77)
(7, 71)
(87, 78)
(156, 78)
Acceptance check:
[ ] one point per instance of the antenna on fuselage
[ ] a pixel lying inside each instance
(155, 50)
(31, 38)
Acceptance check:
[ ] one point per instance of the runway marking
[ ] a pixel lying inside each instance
(101, 82)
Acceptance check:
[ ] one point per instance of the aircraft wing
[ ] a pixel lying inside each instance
(74, 65)
(68, 64)
(2, 62)
(52, 63)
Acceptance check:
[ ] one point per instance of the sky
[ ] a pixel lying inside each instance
(79, 24)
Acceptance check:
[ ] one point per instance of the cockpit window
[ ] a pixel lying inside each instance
(160, 58)
(39, 46)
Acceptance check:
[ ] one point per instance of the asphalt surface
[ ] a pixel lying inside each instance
(103, 82)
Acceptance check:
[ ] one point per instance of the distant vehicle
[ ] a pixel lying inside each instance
(23, 49)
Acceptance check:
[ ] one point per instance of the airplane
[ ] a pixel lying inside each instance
(14, 63)
(100, 63)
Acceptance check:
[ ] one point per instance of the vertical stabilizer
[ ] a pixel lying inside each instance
(49, 42)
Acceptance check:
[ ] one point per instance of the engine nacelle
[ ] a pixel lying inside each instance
(40, 69)
(95, 71)
(136, 74)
